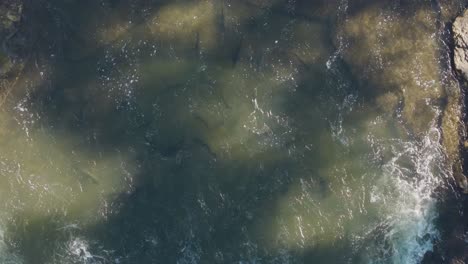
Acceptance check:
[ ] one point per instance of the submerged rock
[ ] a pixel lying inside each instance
(6, 65)
(10, 15)
(405, 72)
(401, 70)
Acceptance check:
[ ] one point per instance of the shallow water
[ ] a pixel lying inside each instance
(228, 132)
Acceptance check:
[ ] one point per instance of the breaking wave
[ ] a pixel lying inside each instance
(405, 194)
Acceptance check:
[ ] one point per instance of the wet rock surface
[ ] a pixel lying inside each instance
(460, 58)
(460, 34)
(455, 246)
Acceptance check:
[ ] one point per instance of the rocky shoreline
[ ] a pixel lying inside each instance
(453, 247)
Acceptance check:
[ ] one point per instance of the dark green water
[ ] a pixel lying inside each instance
(227, 132)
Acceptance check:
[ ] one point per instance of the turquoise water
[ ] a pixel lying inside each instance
(226, 132)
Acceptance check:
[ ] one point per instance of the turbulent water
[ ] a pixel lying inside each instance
(228, 132)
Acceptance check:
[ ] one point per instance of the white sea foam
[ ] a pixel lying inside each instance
(406, 194)
(79, 248)
(7, 257)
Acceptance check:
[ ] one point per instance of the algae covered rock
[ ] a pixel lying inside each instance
(401, 70)
(390, 60)
(10, 13)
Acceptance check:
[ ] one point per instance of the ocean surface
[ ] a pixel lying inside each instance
(210, 131)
